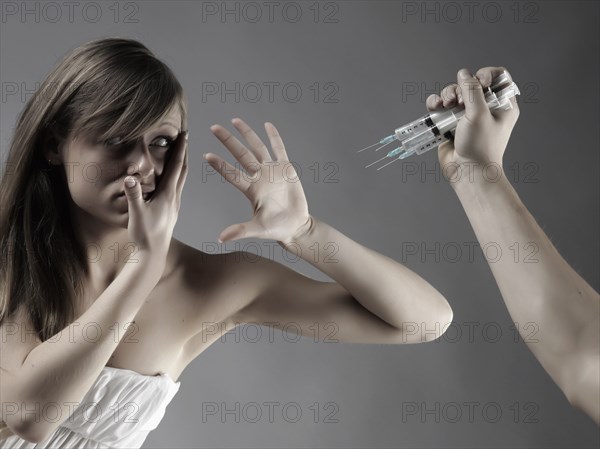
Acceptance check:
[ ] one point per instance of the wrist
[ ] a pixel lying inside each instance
(473, 174)
(303, 233)
(148, 262)
(482, 188)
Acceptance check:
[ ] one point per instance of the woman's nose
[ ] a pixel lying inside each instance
(141, 161)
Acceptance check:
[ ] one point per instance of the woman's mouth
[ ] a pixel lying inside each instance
(145, 195)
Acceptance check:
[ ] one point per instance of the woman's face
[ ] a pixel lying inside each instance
(95, 171)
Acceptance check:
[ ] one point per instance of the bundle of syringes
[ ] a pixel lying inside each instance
(428, 131)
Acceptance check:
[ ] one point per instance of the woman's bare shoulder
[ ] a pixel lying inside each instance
(189, 259)
(223, 277)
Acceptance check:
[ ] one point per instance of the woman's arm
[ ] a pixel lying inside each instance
(376, 298)
(61, 370)
(383, 286)
(539, 286)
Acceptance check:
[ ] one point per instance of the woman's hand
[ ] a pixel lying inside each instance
(481, 135)
(272, 186)
(151, 222)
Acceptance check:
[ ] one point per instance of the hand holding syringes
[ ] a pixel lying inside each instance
(427, 132)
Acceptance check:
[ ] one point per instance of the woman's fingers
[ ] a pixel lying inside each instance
(133, 193)
(236, 148)
(175, 165)
(184, 171)
(256, 145)
(276, 142)
(230, 173)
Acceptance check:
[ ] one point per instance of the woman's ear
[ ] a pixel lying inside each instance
(51, 147)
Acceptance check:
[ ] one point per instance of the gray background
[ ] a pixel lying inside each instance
(372, 54)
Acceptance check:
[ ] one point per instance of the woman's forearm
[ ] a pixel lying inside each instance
(537, 284)
(383, 286)
(62, 369)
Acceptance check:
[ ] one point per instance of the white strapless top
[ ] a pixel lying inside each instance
(119, 411)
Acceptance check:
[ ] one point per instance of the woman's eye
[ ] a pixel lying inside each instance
(113, 141)
(164, 142)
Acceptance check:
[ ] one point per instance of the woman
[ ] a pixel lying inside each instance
(116, 306)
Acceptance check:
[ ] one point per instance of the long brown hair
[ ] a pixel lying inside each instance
(106, 87)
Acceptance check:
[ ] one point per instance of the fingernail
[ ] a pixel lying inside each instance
(130, 182)
(465, 74)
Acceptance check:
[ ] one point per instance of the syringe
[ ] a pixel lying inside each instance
(427, 132)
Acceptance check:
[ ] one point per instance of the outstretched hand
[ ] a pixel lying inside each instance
(272, 186)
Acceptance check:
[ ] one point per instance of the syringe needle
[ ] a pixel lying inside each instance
(387, 143)
(383, 141)
(396, 159)
(376, 161)
(370, 146)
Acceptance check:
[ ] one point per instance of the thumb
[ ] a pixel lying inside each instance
(239, 231)
(472, 95)
(445, 152)
(133, 191)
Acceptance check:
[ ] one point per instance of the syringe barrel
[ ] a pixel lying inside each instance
(445, 121)
(422, 142)
(415, 127)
